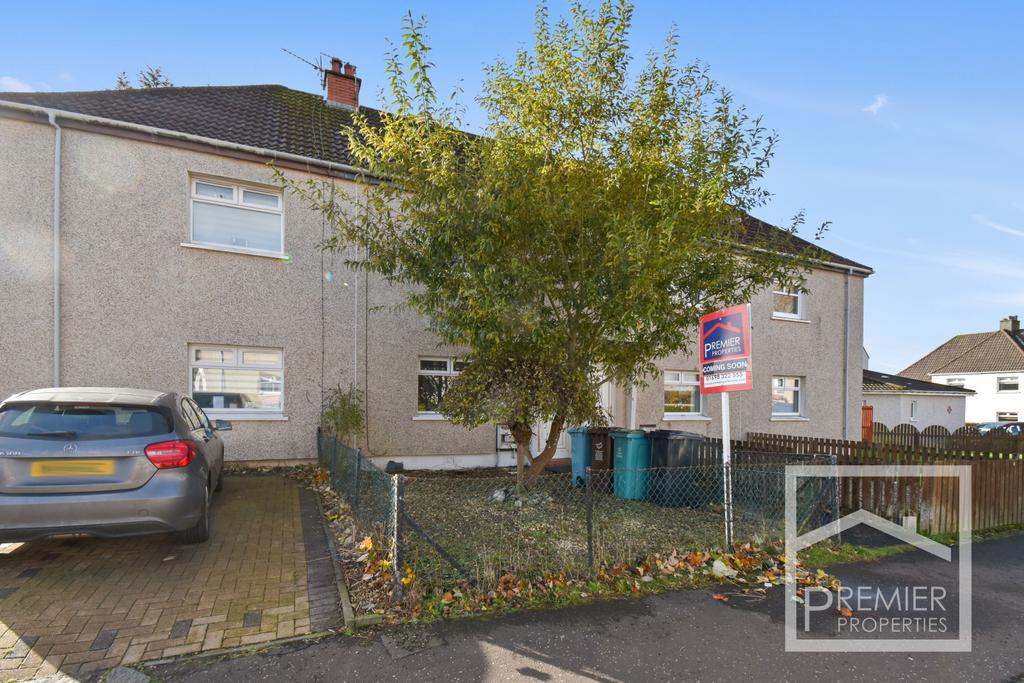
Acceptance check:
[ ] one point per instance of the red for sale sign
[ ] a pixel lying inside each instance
(725, 350)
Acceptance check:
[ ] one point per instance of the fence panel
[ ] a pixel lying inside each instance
(995, 461)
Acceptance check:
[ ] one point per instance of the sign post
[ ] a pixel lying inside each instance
(725, 367)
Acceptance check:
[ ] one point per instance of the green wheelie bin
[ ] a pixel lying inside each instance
(632, 455)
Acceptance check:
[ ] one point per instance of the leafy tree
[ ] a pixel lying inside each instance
(150, 77)
(578, 240)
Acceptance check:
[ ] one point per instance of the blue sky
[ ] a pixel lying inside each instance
(900, 122)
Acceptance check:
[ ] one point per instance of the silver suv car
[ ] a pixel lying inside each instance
(107, 462)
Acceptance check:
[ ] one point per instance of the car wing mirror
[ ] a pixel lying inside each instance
(221, 426)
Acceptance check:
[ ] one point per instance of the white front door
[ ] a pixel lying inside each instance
(540, 437)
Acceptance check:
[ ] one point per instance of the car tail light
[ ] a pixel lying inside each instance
(170, 454)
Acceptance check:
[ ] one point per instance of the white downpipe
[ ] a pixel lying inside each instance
(846, 359)
(632, 406)
(51, 115)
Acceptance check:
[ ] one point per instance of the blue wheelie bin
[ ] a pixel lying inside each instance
(580, 442)
(632, 454)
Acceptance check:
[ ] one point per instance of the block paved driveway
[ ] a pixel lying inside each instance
(79, 605)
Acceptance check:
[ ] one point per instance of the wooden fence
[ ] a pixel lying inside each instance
(938, 437)
(997, 481)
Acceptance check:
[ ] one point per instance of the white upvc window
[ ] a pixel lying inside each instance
(787, 396)
(682, 394)
(236, 217)
(913, 410)
(1006, 417)
(432, 382)
(788, 304)
(237, 380)
(1008, 384)
(956, 382)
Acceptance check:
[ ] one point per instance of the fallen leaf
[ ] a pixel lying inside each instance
(845, 611)
(720, 597)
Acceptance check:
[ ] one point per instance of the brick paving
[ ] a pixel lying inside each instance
(81, 605)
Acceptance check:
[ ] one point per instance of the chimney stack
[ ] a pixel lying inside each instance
(341, 85)
(1010, 324)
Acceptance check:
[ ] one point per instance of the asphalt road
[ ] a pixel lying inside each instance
(682, 635)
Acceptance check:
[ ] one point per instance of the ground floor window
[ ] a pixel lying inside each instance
(682, 394)
(432, 382)
(787, 396)
(237, 378)
(1006, 417)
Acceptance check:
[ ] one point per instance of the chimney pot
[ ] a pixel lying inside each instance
(342, 85)
(1010, 324)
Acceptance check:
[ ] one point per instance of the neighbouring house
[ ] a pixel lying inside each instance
(144, 242)
(897, 400)
(990, 364)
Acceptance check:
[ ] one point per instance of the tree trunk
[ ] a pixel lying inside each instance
(522, 433)
(550, 447)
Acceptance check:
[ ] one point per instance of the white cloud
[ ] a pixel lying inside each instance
(979, 218)
(880, 103)
(12, 84)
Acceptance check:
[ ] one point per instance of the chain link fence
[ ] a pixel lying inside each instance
(475, 525)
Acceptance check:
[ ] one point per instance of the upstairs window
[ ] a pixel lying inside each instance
(956, 381)
(682, 394)
(237, 378)
(1007, 384)
(432, 382)
(237, 217)
(787, 304)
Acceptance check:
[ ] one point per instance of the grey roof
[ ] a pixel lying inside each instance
(878, 382)
(280, 119)
(999, 351)
(267, 116)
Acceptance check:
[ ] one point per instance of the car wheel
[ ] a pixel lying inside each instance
(200, 533)
(220, 481)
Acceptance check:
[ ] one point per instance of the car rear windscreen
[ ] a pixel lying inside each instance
(82, 421)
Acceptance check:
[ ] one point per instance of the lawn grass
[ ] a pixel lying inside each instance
(490, 530)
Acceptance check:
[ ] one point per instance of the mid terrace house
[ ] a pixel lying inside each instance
(144, 242)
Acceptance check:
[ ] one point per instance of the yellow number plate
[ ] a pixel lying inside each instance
(72, 468)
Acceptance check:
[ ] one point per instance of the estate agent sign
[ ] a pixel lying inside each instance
(725, 350)
(724, 367)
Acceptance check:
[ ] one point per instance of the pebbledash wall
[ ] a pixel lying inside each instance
(134, 298)
(809, 348)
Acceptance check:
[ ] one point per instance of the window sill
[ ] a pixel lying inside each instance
(232, 250)
(232, 416)
(429, 417)
(787, 319)
(685, 418)
(788, 418)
